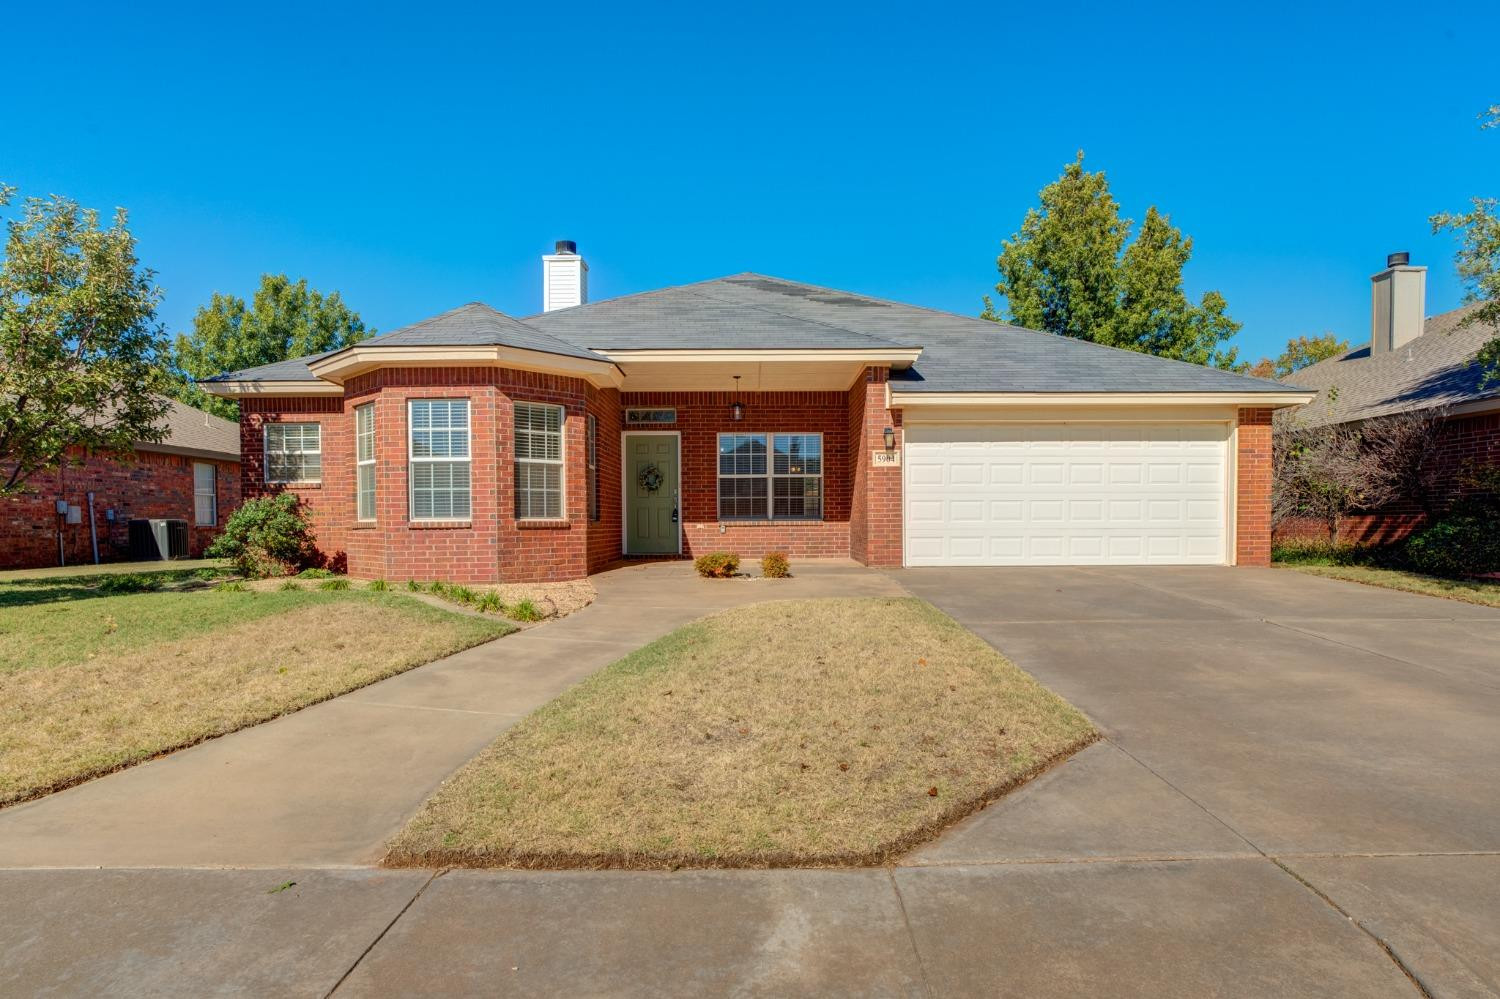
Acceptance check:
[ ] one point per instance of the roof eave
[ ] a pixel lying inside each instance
(1272, 400)
(337, 368)
(896, 357)
(238, 388)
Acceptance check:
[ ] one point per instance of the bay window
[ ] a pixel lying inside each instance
(539, 461)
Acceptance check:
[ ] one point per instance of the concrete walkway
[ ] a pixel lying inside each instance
(1296, 797)
(330, 784)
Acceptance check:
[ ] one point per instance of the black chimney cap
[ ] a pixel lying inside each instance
(1398, 259)
(566, 246)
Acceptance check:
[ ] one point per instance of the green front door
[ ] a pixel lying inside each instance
(651, 514)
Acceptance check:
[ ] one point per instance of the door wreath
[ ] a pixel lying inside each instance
(650, 478)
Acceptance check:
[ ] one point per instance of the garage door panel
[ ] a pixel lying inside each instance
(1059, 494)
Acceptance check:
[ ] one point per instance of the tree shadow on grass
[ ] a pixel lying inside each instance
(62, 589)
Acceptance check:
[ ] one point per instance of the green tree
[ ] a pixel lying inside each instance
(1478, 260)
(1068, 271)
(1300, 353)
(80, 347)
(284, 319)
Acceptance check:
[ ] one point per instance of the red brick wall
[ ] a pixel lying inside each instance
(1252, 483)
(702, 416)
(604, 533)
(147, 484)
(1468, 440)
(489, 547)
(875, 535)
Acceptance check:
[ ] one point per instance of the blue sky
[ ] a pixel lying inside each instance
(423, 156)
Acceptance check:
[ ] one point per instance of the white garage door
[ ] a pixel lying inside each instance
(1066, 494)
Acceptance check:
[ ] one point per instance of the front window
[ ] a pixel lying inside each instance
(770, 476)
(294, 452)
(539, 461)
(364, 461)
(439, 459)
(205, 495)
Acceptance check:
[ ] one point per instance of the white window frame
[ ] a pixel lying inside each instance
(211, 494)
(266, 451)
(770, 476)
(413, 460)
(361, 464)
(561, 461)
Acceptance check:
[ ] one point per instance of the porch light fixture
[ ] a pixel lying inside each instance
(890, 438)
(737, 408)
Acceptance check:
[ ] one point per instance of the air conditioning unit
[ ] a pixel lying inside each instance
(152, 540)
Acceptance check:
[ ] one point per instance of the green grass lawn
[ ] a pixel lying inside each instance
(92, 679)
(789, 733)
(1468, 590)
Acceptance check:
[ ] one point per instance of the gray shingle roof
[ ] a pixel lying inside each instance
(1435, 369)
(743, 311)
(193, 432)
(749, 311)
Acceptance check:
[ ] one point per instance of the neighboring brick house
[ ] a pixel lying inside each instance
(192, 475)
(752, 414)
(1411, 363)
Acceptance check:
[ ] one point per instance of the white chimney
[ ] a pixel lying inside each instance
(1398, 311)
(565, 277)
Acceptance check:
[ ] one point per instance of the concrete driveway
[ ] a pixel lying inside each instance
(1257, 723)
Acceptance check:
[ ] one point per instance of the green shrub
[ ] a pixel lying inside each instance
(290, 584)
(775, 565)
(337, 583)
(1460, 544)
(437, 586)
(231, 586)
(266, 536)
(717, 565)
(378, 585)
(462, 595)
(414, 586)
(524, 610)
(315, 573)
(490, 602)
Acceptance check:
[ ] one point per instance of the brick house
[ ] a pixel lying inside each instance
(752, 414)
(1411, 363)
(192, 475)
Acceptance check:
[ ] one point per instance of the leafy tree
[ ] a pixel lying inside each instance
(285, 319)
(1068, 271)
(1478, 260)
(1300, 353)
(80, 347)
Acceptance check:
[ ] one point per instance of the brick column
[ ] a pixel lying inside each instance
(875, 513)
(1252, 484)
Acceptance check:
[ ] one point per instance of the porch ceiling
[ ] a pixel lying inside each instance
(755, 376)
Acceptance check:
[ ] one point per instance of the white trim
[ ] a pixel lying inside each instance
(233, 390)
(361, 357)
(1231, 499)
(265, 452)
(913, 400)
(898, 357)
(562, 463)
(412, 461)
(625, 498)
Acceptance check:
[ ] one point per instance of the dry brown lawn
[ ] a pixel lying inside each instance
(91, 683)
(1472, 591)
(791, 733)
